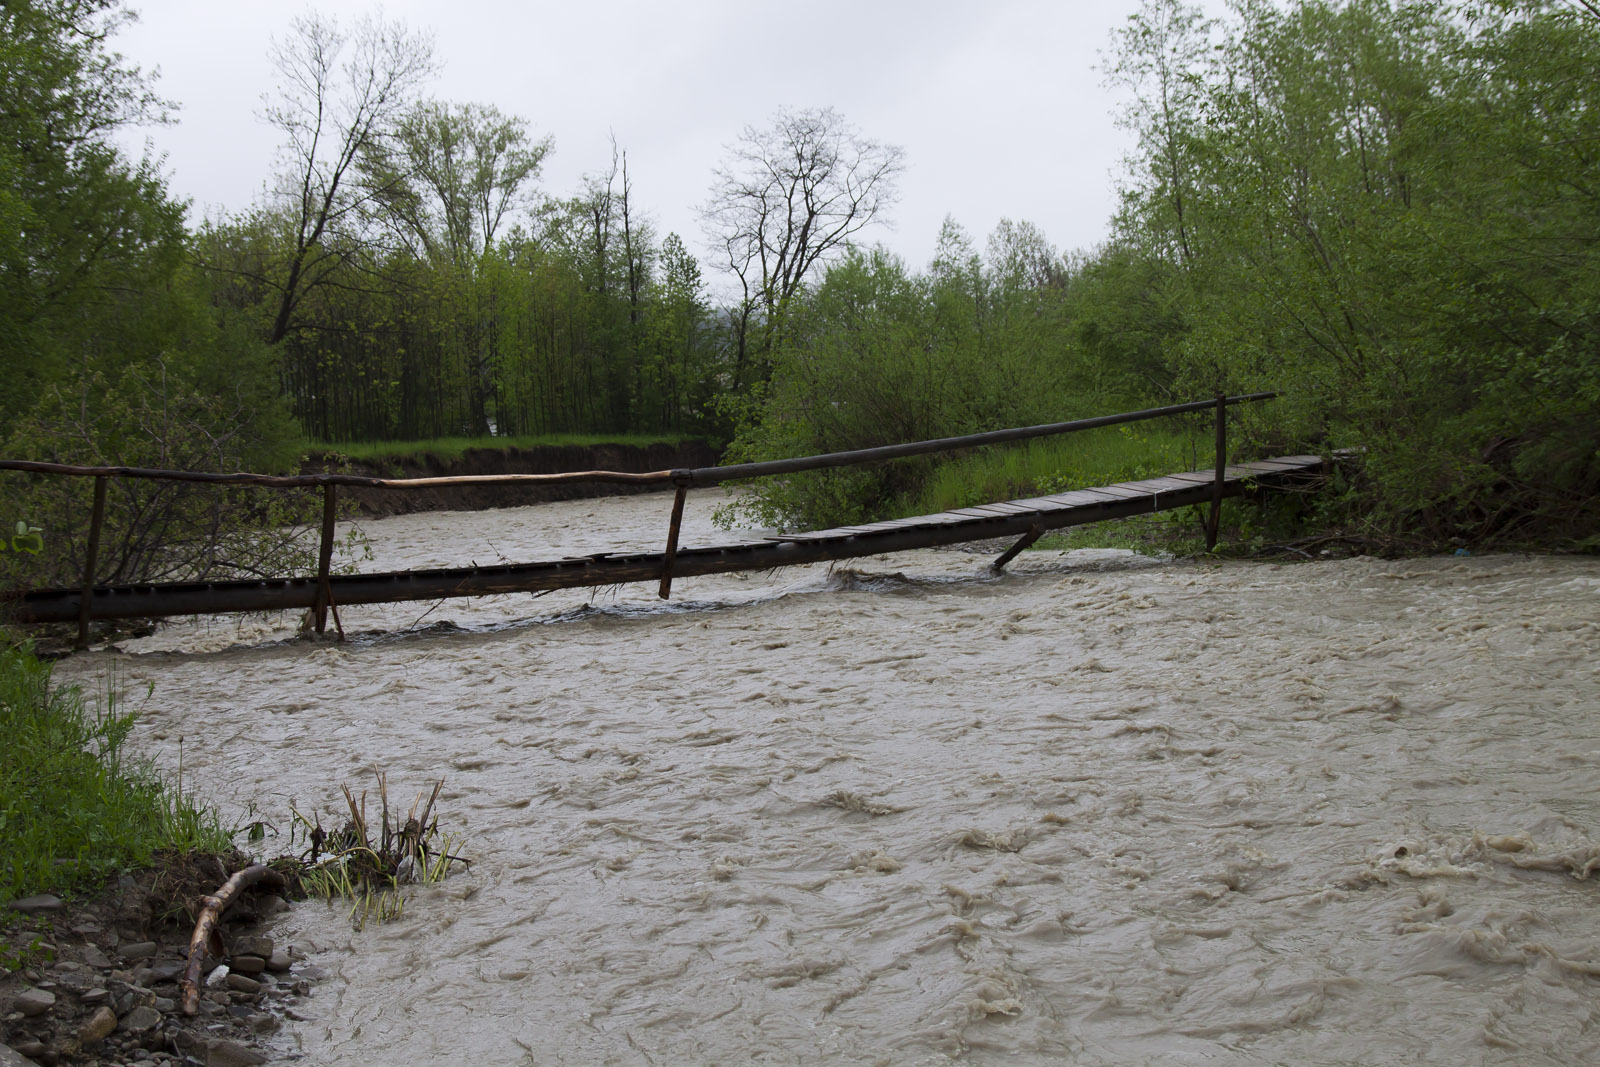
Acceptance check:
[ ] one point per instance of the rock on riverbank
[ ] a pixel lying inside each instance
(96, 982)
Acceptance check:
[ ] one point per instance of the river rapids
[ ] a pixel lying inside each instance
(1098, 810)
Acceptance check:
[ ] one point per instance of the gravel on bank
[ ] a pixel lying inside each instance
(94, 982)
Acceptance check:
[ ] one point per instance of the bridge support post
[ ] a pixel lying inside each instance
(1214, 522)
(671, 551)
(1035, 532)
(330, 511)
(90, 562)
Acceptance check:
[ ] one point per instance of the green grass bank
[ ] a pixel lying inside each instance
(74, 808)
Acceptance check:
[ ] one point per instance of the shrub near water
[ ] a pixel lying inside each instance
(72, 809)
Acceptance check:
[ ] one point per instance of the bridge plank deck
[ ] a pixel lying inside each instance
(980, 511)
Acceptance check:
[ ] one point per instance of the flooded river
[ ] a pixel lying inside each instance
(1098, 810)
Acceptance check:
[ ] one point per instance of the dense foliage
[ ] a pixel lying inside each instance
(879, 354)
(1389, 210)
(1385, 209)
(569, 332)
(112, 347)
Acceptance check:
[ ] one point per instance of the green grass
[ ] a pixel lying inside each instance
(73, 810)
(1058, 464)
(1076, 461)
(452, 448)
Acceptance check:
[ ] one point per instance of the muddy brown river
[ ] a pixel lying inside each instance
(1100, 810)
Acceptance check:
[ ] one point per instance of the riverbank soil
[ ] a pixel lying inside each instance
(94, 981)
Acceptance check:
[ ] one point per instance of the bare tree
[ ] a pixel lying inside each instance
(788, 196)
(611, 241)
(636, 235)
(598, 204)
(331, 112)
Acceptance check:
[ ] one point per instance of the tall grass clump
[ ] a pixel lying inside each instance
(368, 865)
(73, 808)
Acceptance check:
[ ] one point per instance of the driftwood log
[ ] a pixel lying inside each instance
(205, 928)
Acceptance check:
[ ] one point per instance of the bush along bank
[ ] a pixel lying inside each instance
(103, 864)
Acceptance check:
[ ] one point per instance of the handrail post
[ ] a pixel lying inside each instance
(330, 511)
(91, 560)
(671, 552)
(1214, 525)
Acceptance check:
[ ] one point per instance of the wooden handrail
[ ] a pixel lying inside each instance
(307, 481)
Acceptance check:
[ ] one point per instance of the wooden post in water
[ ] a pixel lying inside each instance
(671, 552)
(325, 555)
(91, 560)
(1214, 525)
(1035, 532)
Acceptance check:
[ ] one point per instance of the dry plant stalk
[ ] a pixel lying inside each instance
(397, 846)
(369, 865)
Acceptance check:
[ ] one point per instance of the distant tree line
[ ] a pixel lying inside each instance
(417, 282)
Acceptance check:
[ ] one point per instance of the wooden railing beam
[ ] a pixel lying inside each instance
(697, 476)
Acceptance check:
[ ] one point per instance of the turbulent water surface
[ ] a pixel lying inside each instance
(1098, 810)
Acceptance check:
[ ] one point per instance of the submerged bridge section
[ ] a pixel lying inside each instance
(1026, 520)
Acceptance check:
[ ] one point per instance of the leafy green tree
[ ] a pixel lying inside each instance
(449, 177)
(444, 185)
(340, 97)
(79, 223)
(681, 368)
(157, 414)
(114, 348)
(1162, 57)
(879, 355)
(1397, 222)
(1125, 313)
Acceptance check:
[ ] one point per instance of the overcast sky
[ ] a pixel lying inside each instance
(1000, 105)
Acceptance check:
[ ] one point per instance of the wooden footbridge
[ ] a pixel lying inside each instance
(1025, 520)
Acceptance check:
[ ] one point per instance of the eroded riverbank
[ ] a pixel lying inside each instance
(1097, 809)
